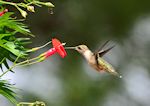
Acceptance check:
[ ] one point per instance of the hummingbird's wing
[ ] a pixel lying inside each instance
(103, 52)
(101, 63)
(103, 45)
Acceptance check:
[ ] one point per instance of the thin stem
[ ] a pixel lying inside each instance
(38, 2)
(30, 3)
(14, 64)
(45, 44)
(26, 61)
(14, 4)
(37, 48)
(25, 103)
(18, 8)
(3, 60)
(37, 103)
(5, 2)
(30, 63)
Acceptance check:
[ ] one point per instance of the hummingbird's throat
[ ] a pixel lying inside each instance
(87, 54)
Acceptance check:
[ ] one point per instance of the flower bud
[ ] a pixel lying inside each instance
(32, 50)
(41, 59)
(3, 12)
(30, 8)
(23, 13)
(49, 4)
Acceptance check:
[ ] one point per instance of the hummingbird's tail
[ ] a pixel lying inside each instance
(116, 74)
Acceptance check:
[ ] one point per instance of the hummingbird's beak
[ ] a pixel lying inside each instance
(74, 48)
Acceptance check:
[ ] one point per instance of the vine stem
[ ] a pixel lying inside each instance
(34, 62)
(14, 64)
(21, 63)
(2, 60)
(37, 48)
(45, 45)
(26, 62)
(14, 4)
(25, 103)
(5, 2)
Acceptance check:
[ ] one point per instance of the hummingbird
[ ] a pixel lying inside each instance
(95, 59)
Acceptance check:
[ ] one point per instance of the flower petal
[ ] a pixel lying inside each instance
(59, 47)
(50, 52)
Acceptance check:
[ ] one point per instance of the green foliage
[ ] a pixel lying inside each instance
(28, 5)
(6, 89)
(10, 48)
(10, 45)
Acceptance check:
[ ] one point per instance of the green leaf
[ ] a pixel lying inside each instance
(13, 24)
(11, 46)
(7, 90)
(4, 35)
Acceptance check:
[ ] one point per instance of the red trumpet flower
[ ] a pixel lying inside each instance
(57, 48)
(3, 12)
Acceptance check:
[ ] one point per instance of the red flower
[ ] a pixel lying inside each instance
(3, 12)
(49, 52)
(59, 47)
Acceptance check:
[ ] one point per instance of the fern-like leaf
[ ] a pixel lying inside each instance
(10, 45)
(7, 90)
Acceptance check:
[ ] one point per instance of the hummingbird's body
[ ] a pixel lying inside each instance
(90, 57)
(95, 60)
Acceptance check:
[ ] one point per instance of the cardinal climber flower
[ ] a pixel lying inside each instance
(3, 12)
(57, 48)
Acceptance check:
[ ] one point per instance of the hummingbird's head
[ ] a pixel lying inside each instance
(81, 48)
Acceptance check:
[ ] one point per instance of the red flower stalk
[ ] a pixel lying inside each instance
(57, 48)
(3, 12)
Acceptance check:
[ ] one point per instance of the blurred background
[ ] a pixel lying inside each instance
(70, 81)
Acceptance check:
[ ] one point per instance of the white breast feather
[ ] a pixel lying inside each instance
(87, 54)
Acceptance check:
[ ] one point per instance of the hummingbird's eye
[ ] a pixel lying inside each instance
(79, 48)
